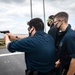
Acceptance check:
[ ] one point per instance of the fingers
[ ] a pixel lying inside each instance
(57, 63)
(5, 35)
(31, 29)
(50, 22)
(9, 34)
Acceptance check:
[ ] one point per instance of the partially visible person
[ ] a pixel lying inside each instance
(66, 45)
(38, 47)
(53, 31)
(50, 21)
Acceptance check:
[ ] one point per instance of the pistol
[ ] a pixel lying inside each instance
(7, 31)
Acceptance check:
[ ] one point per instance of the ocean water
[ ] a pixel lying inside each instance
(1, 35)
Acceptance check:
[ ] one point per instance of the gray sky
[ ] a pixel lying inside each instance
(14, 14)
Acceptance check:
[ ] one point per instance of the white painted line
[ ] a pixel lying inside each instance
(9, 54)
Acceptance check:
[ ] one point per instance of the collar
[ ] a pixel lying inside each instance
(69, 27)
(39, 32)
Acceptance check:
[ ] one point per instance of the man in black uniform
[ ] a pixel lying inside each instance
(53, 30)
(67, 44)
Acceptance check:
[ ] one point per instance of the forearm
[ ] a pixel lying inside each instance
(16, 37)
(7, 40)
(71, 70)
(21, 36)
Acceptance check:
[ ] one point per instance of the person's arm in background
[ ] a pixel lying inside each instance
(71, 70)
(15, 36)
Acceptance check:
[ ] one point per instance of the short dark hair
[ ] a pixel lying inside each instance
(37, 23)
(51, 17)
(63, 15)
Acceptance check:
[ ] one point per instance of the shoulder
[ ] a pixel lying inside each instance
(53, 30)
(27, 40)
(70, 35)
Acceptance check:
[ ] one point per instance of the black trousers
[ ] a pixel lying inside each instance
(29, 72)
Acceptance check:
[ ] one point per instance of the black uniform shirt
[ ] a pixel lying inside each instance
(67, 47)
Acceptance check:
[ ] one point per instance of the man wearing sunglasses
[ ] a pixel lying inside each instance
(66, 44)
(38, 47)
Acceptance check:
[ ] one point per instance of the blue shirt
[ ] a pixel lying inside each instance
(39, 51)
(67, 47)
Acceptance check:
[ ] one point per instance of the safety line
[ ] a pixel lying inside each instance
(9, 54)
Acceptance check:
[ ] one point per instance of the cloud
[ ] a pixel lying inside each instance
(12, 1)
(15, 13)
(55, 6)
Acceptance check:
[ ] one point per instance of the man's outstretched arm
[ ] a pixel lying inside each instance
(15, 36)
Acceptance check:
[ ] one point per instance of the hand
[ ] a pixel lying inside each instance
(50, 22)
(5, 35)
(57, 63)
(9, 34)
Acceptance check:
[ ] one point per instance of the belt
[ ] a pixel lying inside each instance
(29, 72)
